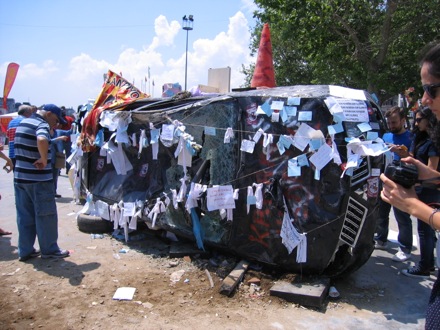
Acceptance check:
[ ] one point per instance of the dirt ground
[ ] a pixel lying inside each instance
(175, 293)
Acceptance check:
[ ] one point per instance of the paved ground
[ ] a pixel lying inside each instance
(376, 296)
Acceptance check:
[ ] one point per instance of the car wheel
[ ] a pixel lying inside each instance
(93, 224)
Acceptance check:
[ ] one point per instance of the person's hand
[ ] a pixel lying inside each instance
(400, 150)
(9, 166)
(396, 195)
(425, 172)
(40, 163)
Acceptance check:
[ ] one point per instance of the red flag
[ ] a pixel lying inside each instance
(11, 73)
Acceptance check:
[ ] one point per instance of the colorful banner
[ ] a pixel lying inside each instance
(11, 73)
(116, 92)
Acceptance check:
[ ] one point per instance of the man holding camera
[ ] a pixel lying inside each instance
(399, 139)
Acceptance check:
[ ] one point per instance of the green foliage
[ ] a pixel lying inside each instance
(366, 44)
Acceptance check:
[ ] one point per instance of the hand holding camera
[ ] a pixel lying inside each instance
(405, 174)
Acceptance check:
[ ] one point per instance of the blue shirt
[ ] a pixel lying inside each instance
(13, 124)
(57, 146)
(398, 139)
(26, 150)
(425, 150)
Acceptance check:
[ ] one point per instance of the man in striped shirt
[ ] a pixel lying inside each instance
(33, 183)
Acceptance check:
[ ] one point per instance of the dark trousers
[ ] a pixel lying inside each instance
(405, 237)
(427, 242)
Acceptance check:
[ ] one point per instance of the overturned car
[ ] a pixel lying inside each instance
(285, 176)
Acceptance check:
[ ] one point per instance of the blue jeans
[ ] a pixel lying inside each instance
(427, 244)
(404, 224)
(383, 222)
(55, 173)
(36, 217)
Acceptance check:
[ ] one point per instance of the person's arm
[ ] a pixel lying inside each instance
(43, 149)
(9, 166)
(433, 162)
(60, 138)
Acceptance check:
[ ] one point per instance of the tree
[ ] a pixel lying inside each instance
(365, 44)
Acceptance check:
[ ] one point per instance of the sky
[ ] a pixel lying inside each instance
(65, 47)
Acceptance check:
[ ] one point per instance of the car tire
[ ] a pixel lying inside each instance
(93, 224)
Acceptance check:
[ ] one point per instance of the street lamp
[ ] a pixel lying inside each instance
(187, 24)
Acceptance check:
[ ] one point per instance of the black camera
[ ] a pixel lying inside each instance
(402, 173)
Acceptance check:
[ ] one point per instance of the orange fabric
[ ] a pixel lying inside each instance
(116, 92)
(11, 73)
(264, 74)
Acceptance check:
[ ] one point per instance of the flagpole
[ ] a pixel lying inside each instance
(149, 81)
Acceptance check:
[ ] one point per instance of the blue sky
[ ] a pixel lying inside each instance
(64, 47)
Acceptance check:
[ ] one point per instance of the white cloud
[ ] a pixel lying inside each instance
(165, 32)
(225, 49)
(84, 67)
(32, 70)
(82, 78)
(249, 6)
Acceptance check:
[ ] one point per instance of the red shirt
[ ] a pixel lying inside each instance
(68, 125)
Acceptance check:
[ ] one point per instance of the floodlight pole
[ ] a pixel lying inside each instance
(187, 23)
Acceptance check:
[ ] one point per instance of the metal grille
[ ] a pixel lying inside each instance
(353, 222)
(361, 173)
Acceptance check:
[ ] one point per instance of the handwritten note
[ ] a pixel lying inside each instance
(247, 146)
(290, 111)
(220, 197)
(354, 110)
(364, 127)
(304, 116)
(302, 136)
(322, 157)
(129, 209)
(293, 169)
(167, 132)
(277, 105)
(102, 209)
